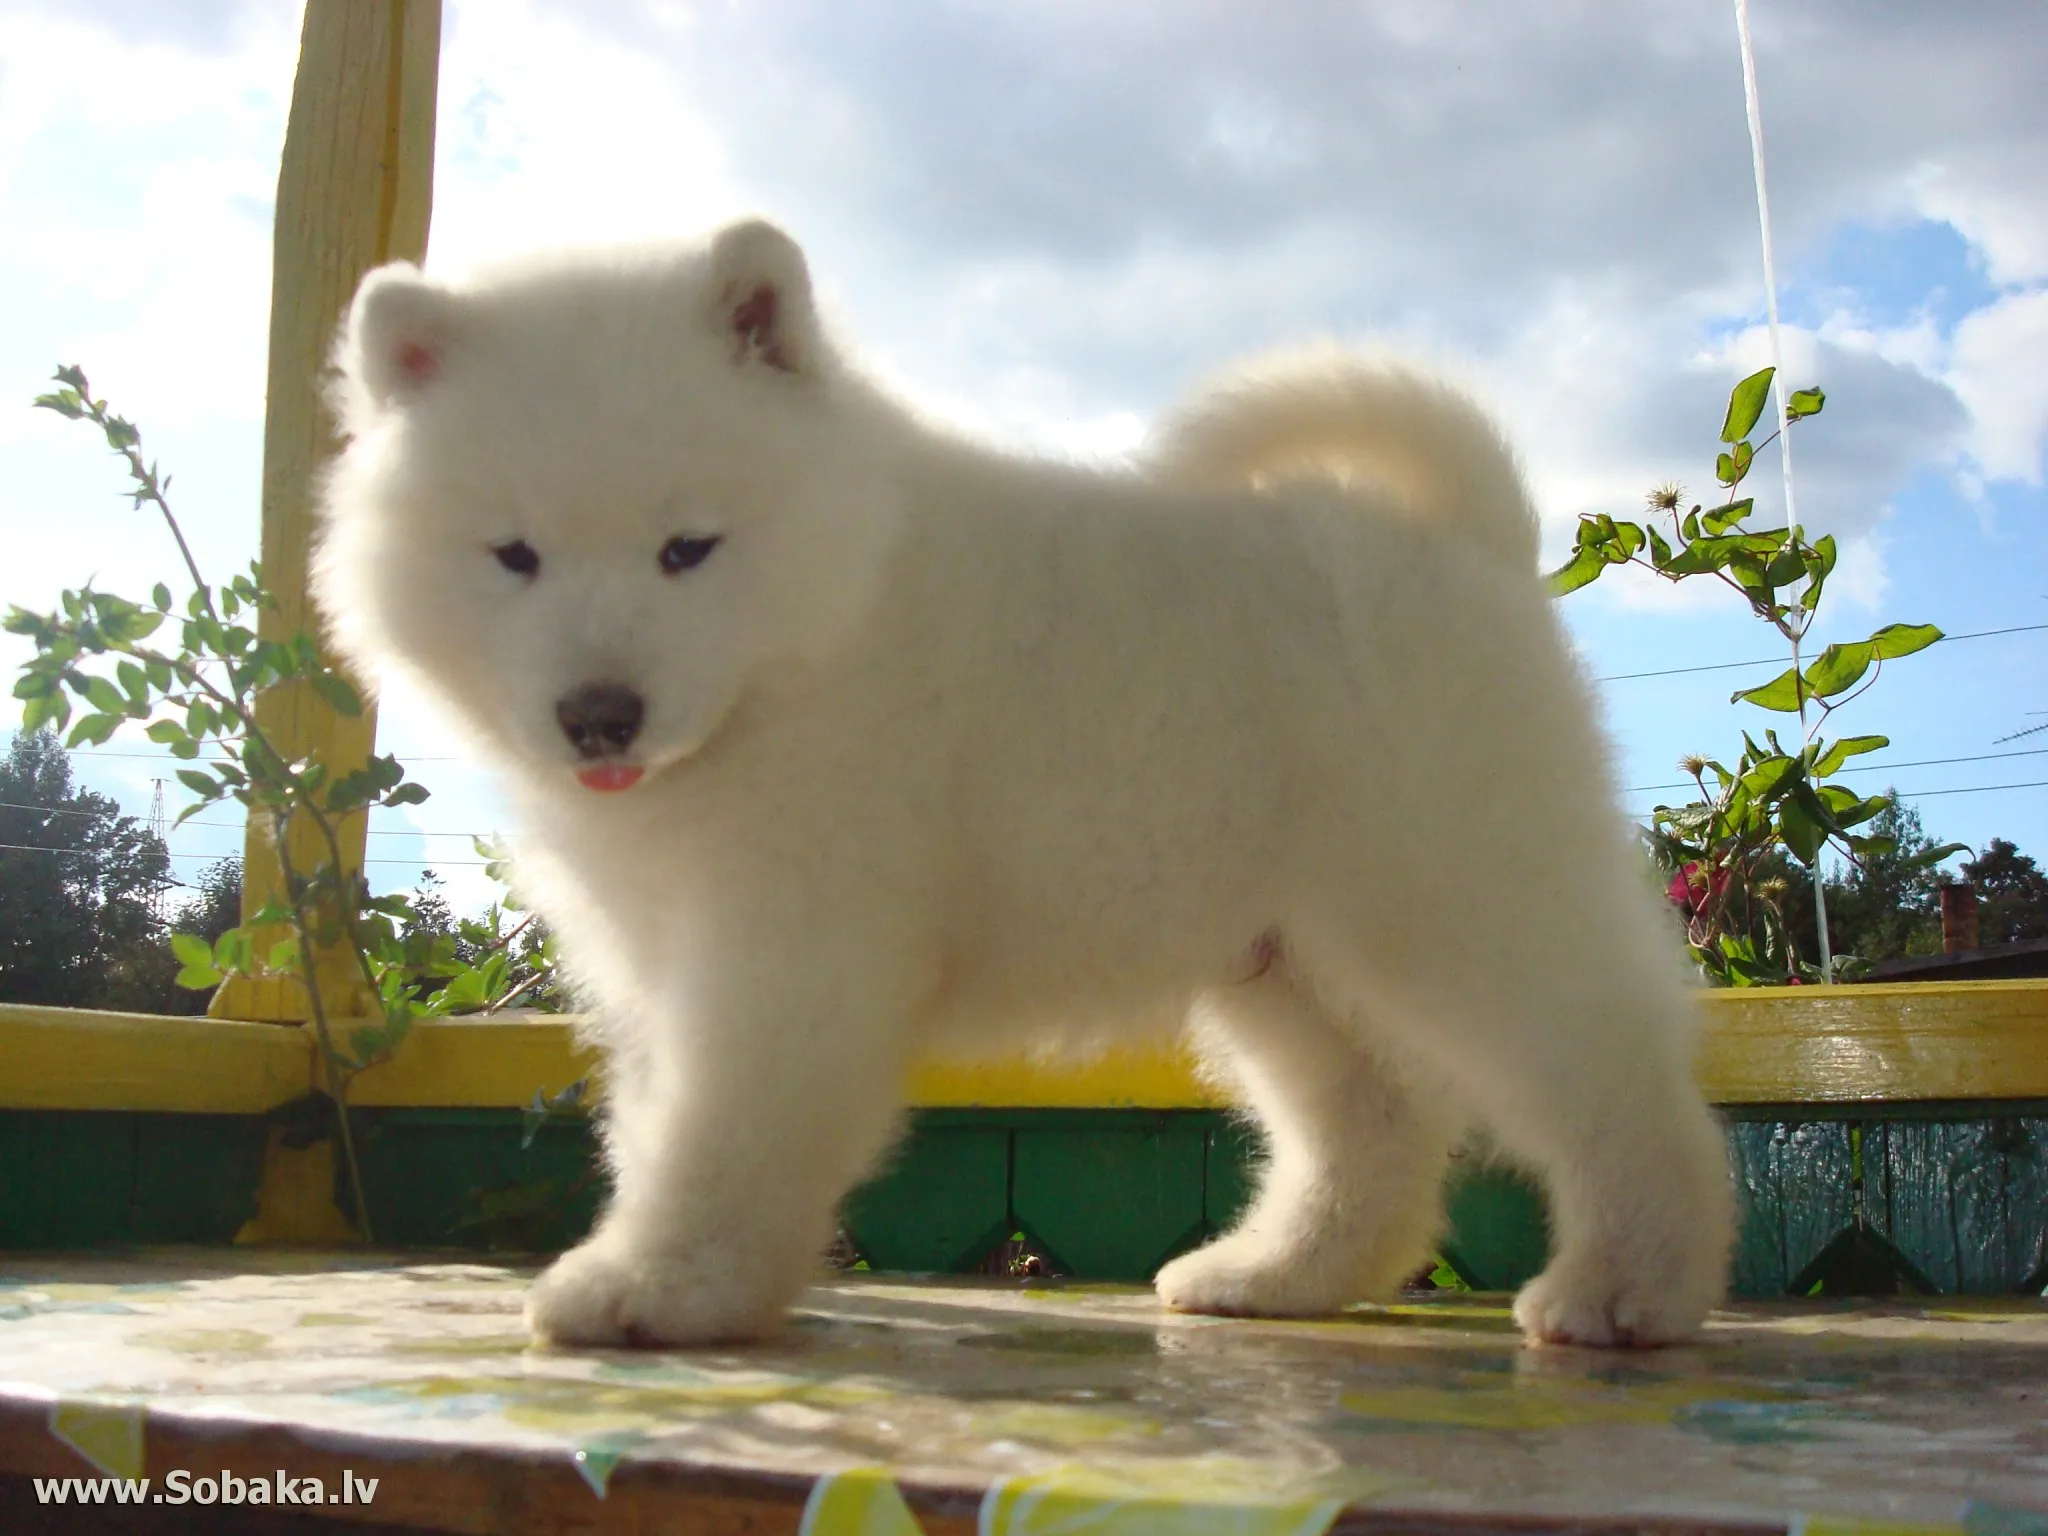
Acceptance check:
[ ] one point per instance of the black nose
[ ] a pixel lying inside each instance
(601, 719)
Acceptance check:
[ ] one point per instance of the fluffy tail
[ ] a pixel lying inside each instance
(1335, 417)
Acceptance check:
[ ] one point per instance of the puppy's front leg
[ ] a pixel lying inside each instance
(735, 1121)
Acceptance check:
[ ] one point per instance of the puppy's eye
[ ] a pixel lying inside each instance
(518, 557)
(685, 552)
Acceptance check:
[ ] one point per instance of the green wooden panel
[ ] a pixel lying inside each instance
(459, 1177)
(2026, 1205)
(196, 1176)
(1759, 1268)
(1969, 1201)
(67, 1178)
(1814, 1177)
(1231, 1157)
(940, 1204)
(1114, 1199)
(1498, 1233)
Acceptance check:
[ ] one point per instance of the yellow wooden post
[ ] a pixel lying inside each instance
(355, 190)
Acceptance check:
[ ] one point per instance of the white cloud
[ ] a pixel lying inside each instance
(1993, 197)
(1047, 220)
(2000, 371)
(549, 132)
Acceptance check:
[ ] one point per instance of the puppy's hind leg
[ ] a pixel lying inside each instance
(1574, 1051)
(1349, 1198)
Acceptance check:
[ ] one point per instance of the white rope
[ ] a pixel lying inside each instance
(1800, 618)
(1763, 219)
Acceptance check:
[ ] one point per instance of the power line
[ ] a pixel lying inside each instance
(1924, 762)
(1974, 789)
(237, 826)
(159, 756)
(1779, 661)
(413, 863)
(1971, 789)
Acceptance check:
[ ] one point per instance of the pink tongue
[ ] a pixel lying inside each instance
(609, 777)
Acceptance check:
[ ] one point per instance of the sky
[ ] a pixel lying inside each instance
(1044, 222)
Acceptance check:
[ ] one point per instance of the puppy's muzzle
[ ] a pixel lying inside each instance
(601, 719)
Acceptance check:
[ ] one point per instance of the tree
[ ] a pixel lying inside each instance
(1888, 906)
(2012, 895)
(212, 908)
(78, 879)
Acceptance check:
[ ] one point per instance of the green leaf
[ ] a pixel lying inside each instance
(283, 956)
(200, 782)
(1896, 640)
(1805, 403)
(1848, 747)
(191, 949)
(93, 730)
(1721, 519)
(1803, 835)
(1780, 693)
(1929, 857)
(1770, 777)
(1848, 810)
(1582, 569)
(1786, 568)
(234, 950)
(165, 732)
(1839, 668)
(104, 696)
(160, 595)
(367, 1042)
(406, 794)
(339, 695)
(1732, 468)
(1745, 405)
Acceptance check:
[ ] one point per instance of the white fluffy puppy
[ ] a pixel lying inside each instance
(838, 740)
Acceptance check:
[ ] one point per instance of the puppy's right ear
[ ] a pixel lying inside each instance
(762, 292)
(398, 333)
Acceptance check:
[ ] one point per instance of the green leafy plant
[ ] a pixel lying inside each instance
(1725, 850)
(101, 663)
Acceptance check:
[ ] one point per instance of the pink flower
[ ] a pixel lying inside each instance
(1692, 892)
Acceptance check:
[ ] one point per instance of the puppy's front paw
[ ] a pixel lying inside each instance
(602, 1294)
(1603, 1307)
(1238, 1276)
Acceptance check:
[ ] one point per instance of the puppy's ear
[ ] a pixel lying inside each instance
(398, 332)
(762, 291)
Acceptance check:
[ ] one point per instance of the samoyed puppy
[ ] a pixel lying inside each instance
(838, 740)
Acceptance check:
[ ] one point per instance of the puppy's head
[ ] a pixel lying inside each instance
(593, 503)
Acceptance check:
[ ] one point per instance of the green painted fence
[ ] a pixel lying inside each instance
(1945, 1198)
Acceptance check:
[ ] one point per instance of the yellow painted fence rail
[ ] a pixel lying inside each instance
(1981, 1040)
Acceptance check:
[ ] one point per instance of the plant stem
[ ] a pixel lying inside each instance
(1820, 885)
(330, 1058)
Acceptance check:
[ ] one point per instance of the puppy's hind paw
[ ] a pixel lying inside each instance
(1607, 1312)
(601, 1295)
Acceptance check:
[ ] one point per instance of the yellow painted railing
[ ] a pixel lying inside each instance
(1983, 1040)
(353, 192)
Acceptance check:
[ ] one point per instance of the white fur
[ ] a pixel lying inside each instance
(953, 751)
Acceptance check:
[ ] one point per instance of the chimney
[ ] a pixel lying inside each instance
(1958, 917)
